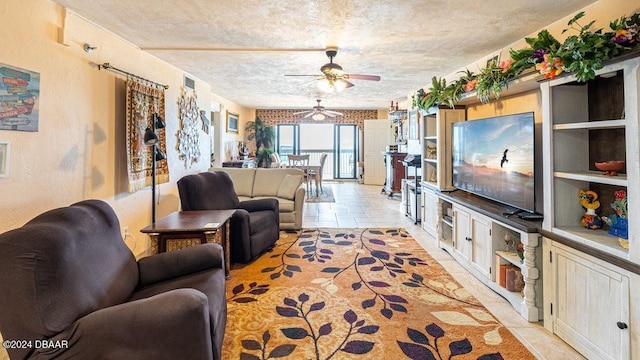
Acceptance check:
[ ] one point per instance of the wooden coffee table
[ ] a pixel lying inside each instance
(183, 229)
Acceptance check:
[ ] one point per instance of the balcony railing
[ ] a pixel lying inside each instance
(347, 167)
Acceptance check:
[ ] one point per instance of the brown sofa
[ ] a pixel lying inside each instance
(282, 184)
(68, 281)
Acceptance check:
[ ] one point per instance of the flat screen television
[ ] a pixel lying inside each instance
(494, 158)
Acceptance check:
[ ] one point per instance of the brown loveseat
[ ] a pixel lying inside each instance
(70, 288)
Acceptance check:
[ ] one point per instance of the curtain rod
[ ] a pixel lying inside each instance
(112, 68)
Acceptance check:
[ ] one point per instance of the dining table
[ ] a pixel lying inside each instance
(312, 168)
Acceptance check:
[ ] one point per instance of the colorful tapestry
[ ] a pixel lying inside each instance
(142, 102)
(357, 294)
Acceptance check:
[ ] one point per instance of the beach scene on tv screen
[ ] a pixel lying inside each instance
(494, 158)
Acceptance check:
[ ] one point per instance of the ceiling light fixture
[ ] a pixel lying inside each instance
(340, 85)
(318, 116)
(325, 85)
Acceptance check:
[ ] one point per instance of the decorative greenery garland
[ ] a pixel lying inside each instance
(582, 54)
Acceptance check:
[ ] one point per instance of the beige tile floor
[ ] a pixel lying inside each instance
(360, 206)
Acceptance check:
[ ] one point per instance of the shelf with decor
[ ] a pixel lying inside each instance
(528, 81)
(436, 146)
(398, 120)
(585, 124)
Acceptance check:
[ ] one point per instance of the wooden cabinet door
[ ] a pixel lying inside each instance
(481, 244)
(430, 215)
(461, 233)
(591, 306)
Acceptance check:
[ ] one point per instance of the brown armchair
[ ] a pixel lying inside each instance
(67, 277)
(255, 226)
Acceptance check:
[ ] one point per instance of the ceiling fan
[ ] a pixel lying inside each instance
(333, 78)
(319, 112)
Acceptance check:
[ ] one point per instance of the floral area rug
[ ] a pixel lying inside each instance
(357, 294)
(326, 195)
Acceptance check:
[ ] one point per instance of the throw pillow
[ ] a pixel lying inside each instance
(288, 186)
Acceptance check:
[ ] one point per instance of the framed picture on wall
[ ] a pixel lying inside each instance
(232, 122)
(413, 125)
(4, 158)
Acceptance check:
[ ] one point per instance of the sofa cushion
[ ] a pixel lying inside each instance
(242, 180)
(284, 205)
(266, 182)
(288, 186)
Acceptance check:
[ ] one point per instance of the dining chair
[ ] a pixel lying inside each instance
(313, 174)
(276, 162)
(301, 162)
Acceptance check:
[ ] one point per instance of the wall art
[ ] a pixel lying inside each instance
(19, 93)
(189, 134)
(232, 122)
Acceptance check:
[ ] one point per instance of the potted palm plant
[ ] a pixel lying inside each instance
(264, 136)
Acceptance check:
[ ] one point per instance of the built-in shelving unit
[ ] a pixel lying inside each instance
(436, 161)
(436, 146)
(585, 123)
(588, 274)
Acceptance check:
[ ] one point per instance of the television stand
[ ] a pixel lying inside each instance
(502, 251)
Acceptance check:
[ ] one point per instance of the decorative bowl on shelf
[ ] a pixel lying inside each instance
(610, 168)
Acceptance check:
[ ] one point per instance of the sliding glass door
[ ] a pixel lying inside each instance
(337, 140)
(315, 139)
(345, 151)
(287, 140)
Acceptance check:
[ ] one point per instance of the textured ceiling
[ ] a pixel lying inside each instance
(244, 48)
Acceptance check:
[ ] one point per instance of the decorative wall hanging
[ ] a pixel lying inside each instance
(142, 102)
(19, 93)
(189, 134)
(205, 121)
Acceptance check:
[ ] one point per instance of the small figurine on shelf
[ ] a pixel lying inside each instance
(508, 241)
(589, 201)
(618, 222)
(520, 251)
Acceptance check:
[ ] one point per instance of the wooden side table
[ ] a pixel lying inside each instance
(183, 229)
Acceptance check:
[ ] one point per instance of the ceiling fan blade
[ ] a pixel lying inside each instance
(309, 114)
(333, 113)
(303, 75)
(300, 112)
(362, 77)
(347, 84)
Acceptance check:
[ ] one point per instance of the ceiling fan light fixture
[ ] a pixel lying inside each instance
(326, 86)
(340, 85)
(318, 116)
